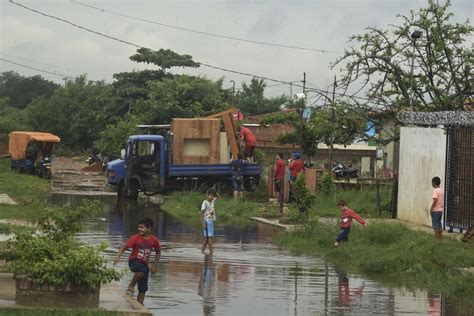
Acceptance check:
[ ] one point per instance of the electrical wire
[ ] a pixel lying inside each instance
(206, 33)
(200, 63)
(35, 61)
(32, 68)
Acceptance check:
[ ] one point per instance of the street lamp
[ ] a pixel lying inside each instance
(414, 36)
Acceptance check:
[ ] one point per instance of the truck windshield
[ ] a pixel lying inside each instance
(145, 148)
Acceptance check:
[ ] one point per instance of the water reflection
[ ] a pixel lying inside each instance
(207, 287)
(249, 276)
(346, 295)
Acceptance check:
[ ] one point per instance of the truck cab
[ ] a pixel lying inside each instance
(143, 167)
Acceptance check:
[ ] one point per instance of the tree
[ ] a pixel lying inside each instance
(11, 118)
(76, 112)
(22, 90)
(320, 128)
(251, 100)
(380, 63)
(163, 58)
(114, 136)
(181, 96)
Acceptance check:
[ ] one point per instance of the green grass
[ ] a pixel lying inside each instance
(29, 191)
(9, 228)
(392, 253)
(59, 312)
(186, 206)
(363, 201)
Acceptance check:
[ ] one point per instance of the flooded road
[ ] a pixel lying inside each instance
(248, 275)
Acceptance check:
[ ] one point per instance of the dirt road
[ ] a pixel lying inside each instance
(69, 176)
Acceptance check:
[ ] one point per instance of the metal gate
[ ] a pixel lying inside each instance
(459, 199)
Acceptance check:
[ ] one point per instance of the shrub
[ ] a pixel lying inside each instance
(53, 256)
(326, 186)
(67, 222)
(304, 199)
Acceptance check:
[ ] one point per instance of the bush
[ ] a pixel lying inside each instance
(326, 186)
(53, 256)
(67, 222)
(304, 199)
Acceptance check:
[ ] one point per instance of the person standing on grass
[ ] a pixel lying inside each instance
(279, 175)
(347, 215)
(250, 142)
(237, 179)
(437, 207)
(208, 217)
(142, 245)
(296, 166)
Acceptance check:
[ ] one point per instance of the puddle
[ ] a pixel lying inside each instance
(248, 275)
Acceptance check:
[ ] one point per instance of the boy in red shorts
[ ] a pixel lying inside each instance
(142, 245)
(345, 223)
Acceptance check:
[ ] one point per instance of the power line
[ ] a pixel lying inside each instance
(207, 33)
(281, 84)
(200, 63)
(37, 69)
(35, 61)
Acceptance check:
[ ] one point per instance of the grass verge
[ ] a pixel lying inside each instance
(392, 253)
(363, 201)
(186, 207)
(10, 228)
(29, 191)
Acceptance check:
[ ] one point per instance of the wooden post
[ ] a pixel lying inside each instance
(377, 183)
(229, 128)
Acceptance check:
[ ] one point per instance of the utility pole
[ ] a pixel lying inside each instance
(333, 120)
(303, 103)
(233, 92)
(414, 36)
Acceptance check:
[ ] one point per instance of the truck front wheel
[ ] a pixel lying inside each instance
(130, 193)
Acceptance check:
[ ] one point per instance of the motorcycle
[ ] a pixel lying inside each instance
(94, 158)
(43, 169)
(343, 172)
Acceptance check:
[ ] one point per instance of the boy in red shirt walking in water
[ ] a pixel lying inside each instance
(347, 215)
(142, 245)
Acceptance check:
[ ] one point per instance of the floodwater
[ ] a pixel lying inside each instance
(247, 275)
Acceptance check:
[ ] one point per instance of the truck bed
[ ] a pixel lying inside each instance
(218, 170)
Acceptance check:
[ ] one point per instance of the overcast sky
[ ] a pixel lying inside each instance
(314, 24)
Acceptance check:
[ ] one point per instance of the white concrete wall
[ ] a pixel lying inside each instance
(422, 156)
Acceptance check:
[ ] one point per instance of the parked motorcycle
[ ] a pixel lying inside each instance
(44, 168)
(94, 158)
(343, 172)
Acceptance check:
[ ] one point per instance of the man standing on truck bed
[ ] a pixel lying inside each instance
(250, 142)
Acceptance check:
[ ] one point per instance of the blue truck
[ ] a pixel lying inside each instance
(147, 167)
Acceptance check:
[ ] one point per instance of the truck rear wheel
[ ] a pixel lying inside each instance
(130, 193)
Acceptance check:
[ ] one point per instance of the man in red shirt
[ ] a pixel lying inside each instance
(279, 175)
(345, 223)
(250, 142)
(296, 166)
(142, 245)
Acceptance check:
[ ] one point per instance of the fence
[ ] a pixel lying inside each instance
(459, 199)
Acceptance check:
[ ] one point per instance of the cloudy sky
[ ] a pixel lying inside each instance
(36, 41)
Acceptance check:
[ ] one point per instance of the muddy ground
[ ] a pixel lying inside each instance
(69, 176)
